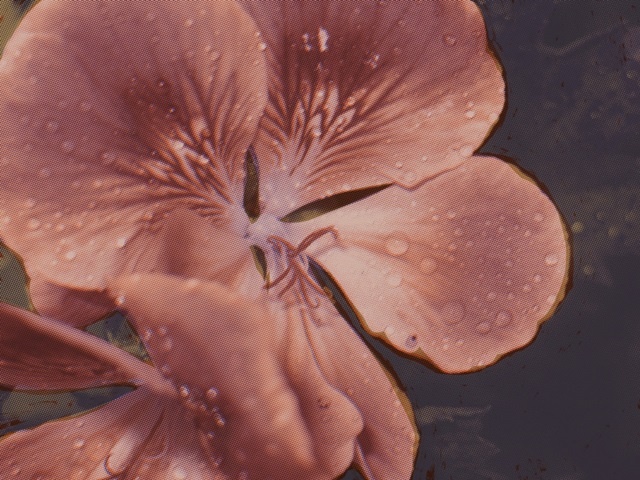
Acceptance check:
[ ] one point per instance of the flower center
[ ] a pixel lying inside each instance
(297, 264)
(265, 226)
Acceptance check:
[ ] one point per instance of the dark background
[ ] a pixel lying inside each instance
(567, 407)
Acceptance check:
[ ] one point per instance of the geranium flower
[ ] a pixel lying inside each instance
(154, 154)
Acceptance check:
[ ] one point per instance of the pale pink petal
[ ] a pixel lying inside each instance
(247, 373)
(114, 114)
(387, 445)
(363, 93)
(461, 270)
(78, 308)
(44, 354)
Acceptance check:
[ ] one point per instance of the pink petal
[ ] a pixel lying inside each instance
(44, 354)
(460, 270)
(388, 443)
(114, 114)
(367, 93)
(78, 308)
(248, 375)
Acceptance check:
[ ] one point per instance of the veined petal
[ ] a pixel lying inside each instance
(387, 445)
(248, 376)
(460, 270)
(370, 92)
(43, 354)
(114, 114)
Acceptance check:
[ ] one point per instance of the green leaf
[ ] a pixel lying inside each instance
(14, 282)
(116, 330)
(20, 410)
(324, 205)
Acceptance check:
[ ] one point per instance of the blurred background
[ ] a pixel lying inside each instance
(567, 407)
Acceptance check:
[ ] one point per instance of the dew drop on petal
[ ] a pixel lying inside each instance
(483, 328)
(179, 473)
(428, 265)
(79, 443)
(33, 224)
(551, 259)
(394, 279)
(503, 318)
(70, 255)
(184, 391)
(453, 313)
(212, 394)
(449, 40)
(396, 246)
(121, 242)
(470, 114)
(538, 217)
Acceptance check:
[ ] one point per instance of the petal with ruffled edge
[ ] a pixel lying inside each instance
(371, 92)
(112, 115)
(43, 354)
(248, 376)
(461, 270)
(387, 445)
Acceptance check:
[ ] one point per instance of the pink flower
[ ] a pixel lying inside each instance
(149, 151)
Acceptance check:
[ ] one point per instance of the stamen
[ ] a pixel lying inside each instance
(298, 264)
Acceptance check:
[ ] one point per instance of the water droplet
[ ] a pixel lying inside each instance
(466, 151)
(70, 255)
(526, 288)
(30, 203)
(389, 330)
(323, 38)
(503, 318)
(33, 224)
(483, 328)
(188, 22)
(167, 344)
(453, 313)
(394, 279)
(449, 40)
(410, 176)
(184, 391)
(79, 443)
(396, 245)
(52, 127)
(68, 146)
(212, 394)
(121, 242)
(262, 46)
(120, 299)
(470, 114)
(551, 259)
(428, 265)
(491, 296)
(537, 278)
(538, 217)
(179, 473)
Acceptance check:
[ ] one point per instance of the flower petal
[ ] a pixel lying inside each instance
(461, 270)
(44, 354)
(111, 120)
(248, 375)
(371, 92)
(387, 445)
